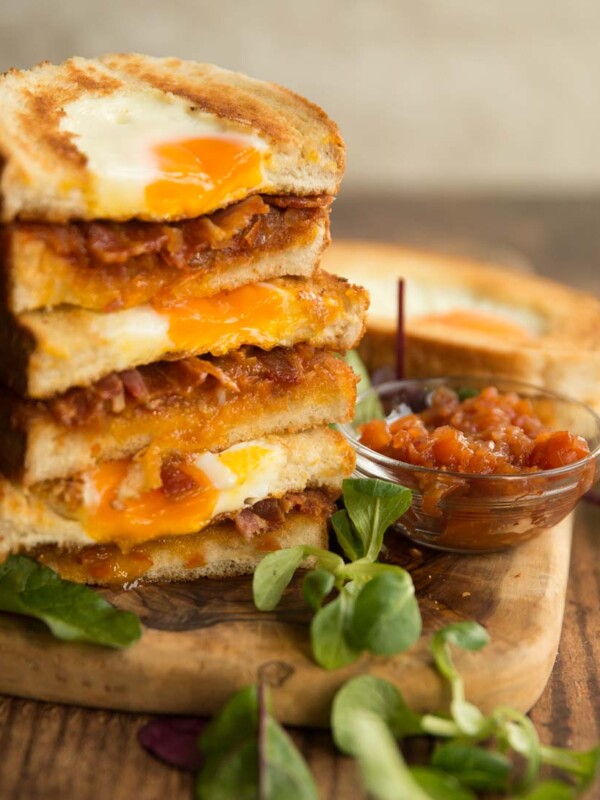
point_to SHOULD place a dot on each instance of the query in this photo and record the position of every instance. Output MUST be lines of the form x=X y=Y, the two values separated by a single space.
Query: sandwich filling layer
x=131 y=501
x=222 y=549
x=184 y=406
x=69 y=348
x=105 y=266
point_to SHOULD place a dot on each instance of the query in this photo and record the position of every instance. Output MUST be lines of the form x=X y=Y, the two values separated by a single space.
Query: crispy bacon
x=236 y=218
x=142 y=386
x=73 y=408
x=292 y=201
x=270 y=510
x=113 y=243
x=194 y=371
x=269 y=514
x=308 y=502
x=133 y=382
x=111 y=392
x=283 y=366
x=179 y=244
x=155 y=384
x=176 y=482
x=249 y=524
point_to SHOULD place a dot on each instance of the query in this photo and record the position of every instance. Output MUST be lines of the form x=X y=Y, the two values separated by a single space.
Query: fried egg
x=261 y=314
x=160 y=158
x=225 y=482
x=456 y=306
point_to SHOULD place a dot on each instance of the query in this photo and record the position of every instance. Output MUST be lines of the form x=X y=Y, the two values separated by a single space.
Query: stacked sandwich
x=168 y=345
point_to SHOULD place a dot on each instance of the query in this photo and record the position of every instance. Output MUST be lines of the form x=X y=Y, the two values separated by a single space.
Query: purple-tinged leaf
x=593 y=496
x=383 y=375
x=400 y=337
x=174 y=740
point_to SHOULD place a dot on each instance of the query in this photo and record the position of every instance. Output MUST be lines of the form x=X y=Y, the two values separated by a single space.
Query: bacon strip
x=310 y=201
x=176 y=482
x=179 y=244
x=154 y=384
x=269 y=514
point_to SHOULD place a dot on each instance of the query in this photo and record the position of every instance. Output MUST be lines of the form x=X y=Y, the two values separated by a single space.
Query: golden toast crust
x=45 y=176
x=564 y=355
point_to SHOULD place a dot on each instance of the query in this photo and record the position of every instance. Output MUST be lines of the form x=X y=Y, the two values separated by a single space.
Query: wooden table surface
x=54 y=752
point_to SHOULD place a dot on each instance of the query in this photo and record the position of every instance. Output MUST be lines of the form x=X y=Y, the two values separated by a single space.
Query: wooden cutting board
x=206 y=639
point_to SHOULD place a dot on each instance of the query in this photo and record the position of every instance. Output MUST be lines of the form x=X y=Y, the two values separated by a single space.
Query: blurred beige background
x=430 y=94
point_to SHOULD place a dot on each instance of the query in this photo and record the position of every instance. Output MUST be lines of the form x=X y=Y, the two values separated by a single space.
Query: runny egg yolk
x=201 y=173
x=478 y=322
x=259 y=313
x=222 y=484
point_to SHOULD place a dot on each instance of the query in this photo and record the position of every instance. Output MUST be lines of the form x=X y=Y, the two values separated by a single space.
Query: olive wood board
x=205 y=639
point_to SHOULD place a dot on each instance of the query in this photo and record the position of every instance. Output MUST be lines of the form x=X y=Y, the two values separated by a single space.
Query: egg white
x=117 y=134
x=233 y=493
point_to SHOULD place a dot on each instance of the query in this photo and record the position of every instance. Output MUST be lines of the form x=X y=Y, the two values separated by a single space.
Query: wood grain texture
x=204 y=640
x=51 y=752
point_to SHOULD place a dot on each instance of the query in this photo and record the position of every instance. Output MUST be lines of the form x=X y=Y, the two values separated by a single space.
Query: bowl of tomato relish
x=491 y=462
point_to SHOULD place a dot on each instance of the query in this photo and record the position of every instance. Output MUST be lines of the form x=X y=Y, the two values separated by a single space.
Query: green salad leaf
x=386 y=618
x=375 y=609
x=583 y=766
x=470 y=636
x=476 y=767
x=249 y=756
x=317 y=584
x=369 y=407
x=384 y=772
x=372 y=506
x=73 y=612
x=347 y=537
x=440 y=785
x=273 y=575
x=329 y=632
x=369 y=693
x=549 y=790
x=476 y=754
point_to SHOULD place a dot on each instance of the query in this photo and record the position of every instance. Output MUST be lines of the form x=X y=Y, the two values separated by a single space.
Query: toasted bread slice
x=174 y=407
x=219 y=551
x=108 y=266
x=128 y=503
x=131 y=136
x=465 y=317
x=42 y=353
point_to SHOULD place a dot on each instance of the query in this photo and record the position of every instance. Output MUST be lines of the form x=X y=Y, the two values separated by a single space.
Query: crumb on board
x=466 y=594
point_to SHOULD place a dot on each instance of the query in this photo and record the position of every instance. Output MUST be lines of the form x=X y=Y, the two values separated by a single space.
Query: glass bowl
x=462 y=512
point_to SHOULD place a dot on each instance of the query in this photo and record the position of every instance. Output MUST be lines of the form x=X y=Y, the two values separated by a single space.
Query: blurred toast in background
x=464 y=316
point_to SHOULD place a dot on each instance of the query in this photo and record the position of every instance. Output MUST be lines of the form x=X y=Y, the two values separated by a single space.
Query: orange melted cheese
x=478 y=322
x=223 y=482
x=260 y=314
x=201 y=174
